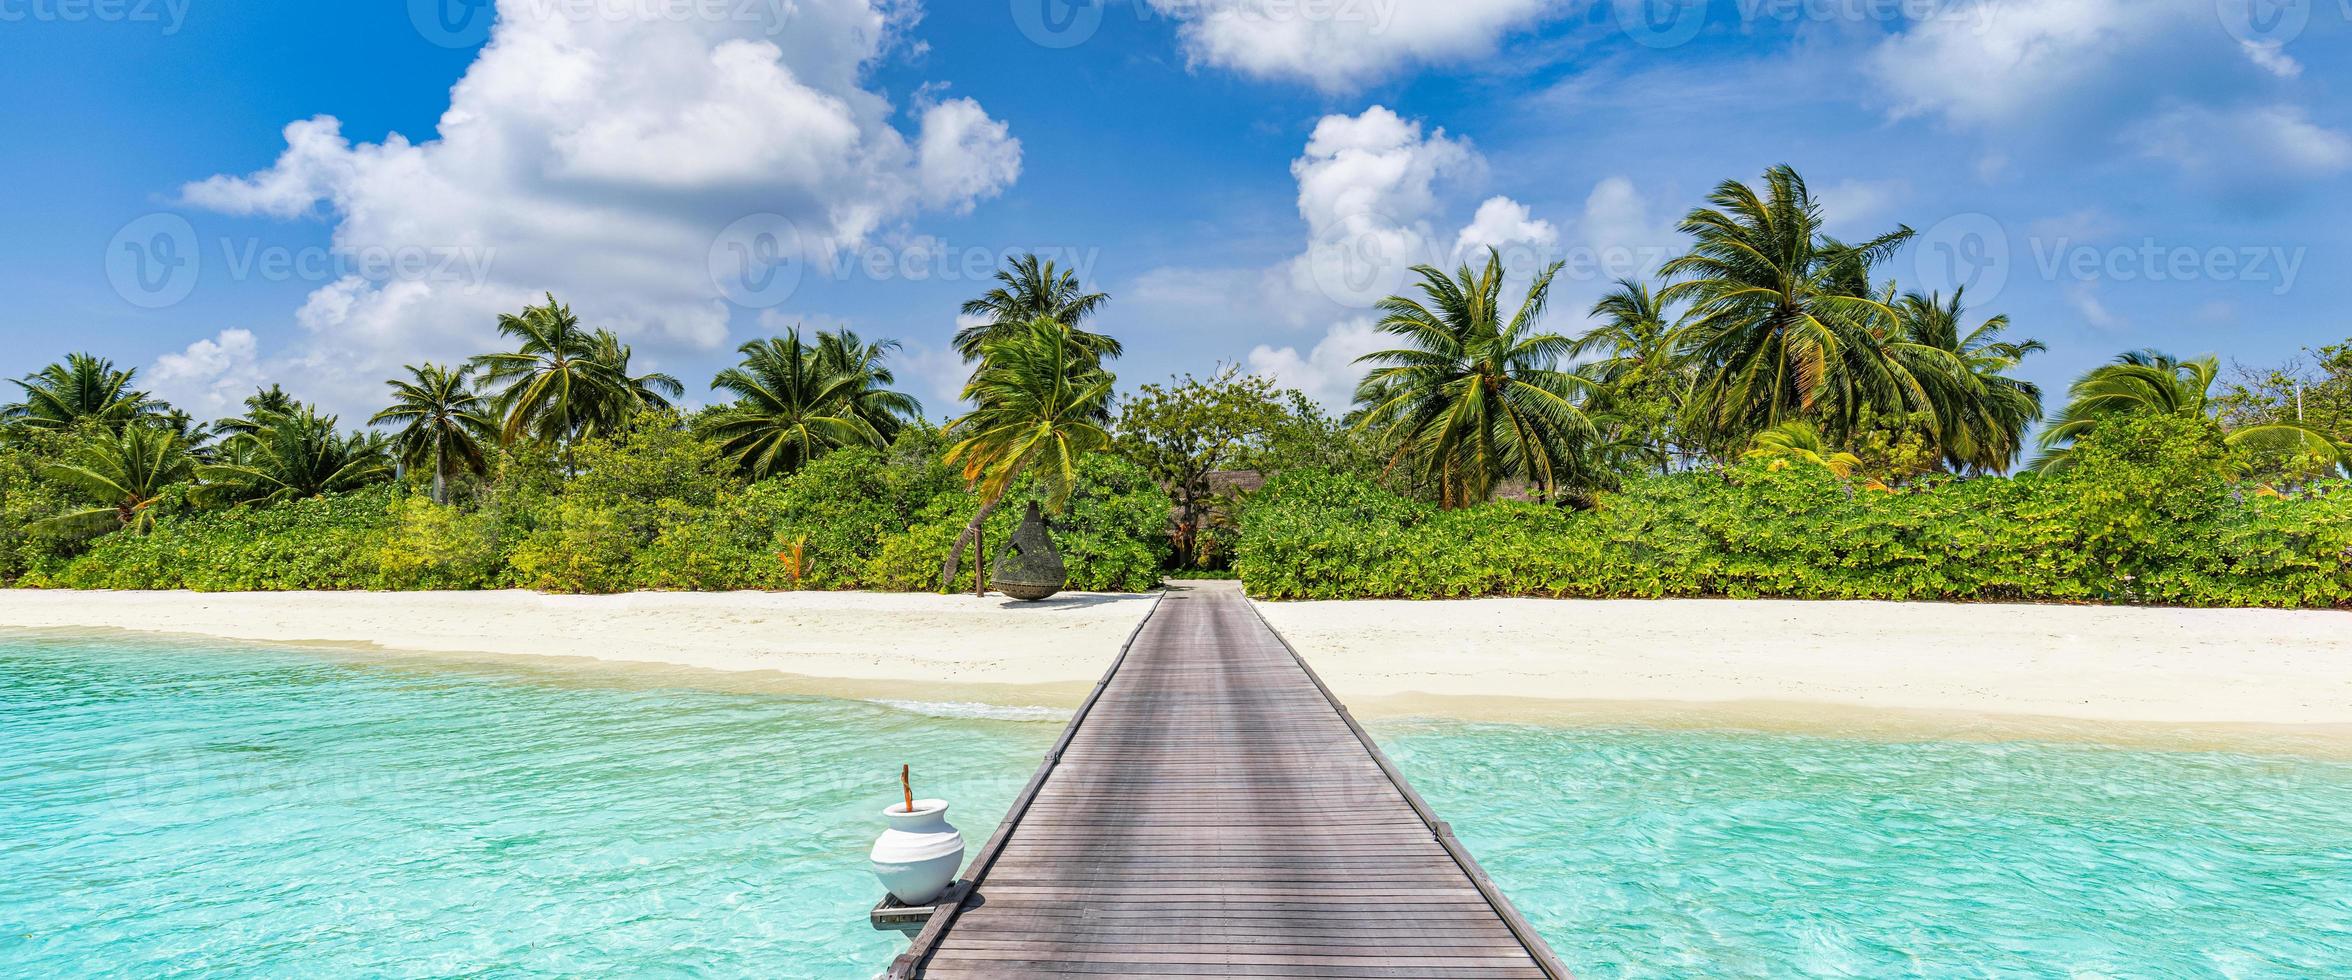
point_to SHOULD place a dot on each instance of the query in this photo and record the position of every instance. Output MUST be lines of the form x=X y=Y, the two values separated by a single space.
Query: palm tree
x=556 y=380
x=1471 y=399
x=300 y=455
x=443 y=423
x=1644 y=381
x=1041 y=402
x=263 y=409
x=2151 y=382
x=83 y=388
x=871 y=399
x=122 y=474
x=631 y=393
x=1781 y=318
x=791 y=407
x=1637 y=333
x=1980 y=412
x=1800 y=442
x=1030 y=289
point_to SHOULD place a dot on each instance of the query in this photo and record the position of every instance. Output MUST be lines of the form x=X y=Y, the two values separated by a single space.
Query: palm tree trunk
x=440 y=477
x=955 y=553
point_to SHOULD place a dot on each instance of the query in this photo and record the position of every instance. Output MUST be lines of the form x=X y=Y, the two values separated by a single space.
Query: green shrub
x=2144 y=520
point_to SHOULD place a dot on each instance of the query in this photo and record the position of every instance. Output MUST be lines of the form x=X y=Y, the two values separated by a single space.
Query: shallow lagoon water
x=183 y=809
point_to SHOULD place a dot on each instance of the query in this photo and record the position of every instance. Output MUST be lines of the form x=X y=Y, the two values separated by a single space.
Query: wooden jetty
x=1212 y=811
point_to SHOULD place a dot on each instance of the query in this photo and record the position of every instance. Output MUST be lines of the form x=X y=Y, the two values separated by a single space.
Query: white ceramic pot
x=918 y=857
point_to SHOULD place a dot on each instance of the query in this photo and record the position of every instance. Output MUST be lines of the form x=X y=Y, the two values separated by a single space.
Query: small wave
x=974 y=709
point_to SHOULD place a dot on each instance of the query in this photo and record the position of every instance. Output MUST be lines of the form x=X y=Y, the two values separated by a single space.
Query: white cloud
x=211 y=376
x=1994 y=61
x=1342 y=45
x=1502 y=223
x=2271 y=56
x=1328 y=373
x=2085 y=300
x=2247 y=146
x=600 y=157
x=1370 y=193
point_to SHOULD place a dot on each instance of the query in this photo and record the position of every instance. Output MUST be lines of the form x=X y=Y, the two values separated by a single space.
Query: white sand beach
x=1489 y=658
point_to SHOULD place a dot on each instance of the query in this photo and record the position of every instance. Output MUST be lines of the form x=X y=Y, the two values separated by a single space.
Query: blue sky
x=1241 y=175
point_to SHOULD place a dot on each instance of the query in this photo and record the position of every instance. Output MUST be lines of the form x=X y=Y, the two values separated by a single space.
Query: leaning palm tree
x=791 y=406
x=1031 y=288
x=443 y=423
x=2151 y=382
x=1980 y=413
x=1040 y=404
x=300 y=455
x=1472 y=399
x=82 y=389
x=629 y=394
x=555 y=382
x=121 y=475
x=1793 y=443
x=1781 y=318
x=871 y=398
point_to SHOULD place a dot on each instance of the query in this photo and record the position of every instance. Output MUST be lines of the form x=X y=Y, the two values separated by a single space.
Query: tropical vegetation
x=1769 y=416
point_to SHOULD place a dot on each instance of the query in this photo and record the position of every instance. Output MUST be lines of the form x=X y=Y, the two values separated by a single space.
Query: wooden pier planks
x=1212 y=811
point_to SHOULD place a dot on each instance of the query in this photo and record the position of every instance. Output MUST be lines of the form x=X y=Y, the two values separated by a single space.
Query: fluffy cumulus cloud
x=211 y=376
x=1994 y=61
x=1380 y=193
x=605 y=156
x=2168 y=77
x=1341 y=45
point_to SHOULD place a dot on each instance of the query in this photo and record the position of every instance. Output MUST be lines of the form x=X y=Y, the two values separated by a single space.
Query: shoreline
x=2189 y=680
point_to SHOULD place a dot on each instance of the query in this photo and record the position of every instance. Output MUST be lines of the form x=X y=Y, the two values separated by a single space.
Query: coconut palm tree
x=82 y=389
x=2151 y=382
x=263 y=409
x=791 y=406
x=1980 y=412
x=556 y=381
x=1644 y=379
x=1031 y=288
x=871 y=398
x=1041 y=402
x=1800 y=443
x=299 y=455
x=629 y=394
x=443 y=423
x=1781 y=321
x=1637 y=333
x=1472 y=399
x=122 y=474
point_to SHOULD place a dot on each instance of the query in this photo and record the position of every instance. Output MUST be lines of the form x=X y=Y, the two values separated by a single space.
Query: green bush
x=2145 y=517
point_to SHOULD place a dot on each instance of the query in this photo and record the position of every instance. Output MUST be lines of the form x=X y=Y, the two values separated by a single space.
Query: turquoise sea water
x=176 y=809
